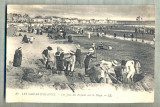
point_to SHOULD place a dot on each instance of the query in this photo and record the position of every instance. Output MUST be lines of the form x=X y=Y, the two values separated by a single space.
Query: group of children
x=63 y=62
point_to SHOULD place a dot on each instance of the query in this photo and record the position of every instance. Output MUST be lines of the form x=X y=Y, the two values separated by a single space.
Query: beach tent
x=11 y=30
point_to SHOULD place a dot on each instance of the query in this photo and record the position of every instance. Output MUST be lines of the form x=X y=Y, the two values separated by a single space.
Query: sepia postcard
x=80 y=53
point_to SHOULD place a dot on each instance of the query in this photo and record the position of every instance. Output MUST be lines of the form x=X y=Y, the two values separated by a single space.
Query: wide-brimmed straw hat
x=72 y=52
x=114 y=62
x=91 y=50
x=78 y=46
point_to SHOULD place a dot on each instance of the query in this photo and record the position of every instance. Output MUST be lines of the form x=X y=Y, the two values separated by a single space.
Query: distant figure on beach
x=50 y=58
x=89 y=35
x=93 y=46
x=136 y=30
x=153 y=40
x=115 y=35
x=25 y=39
x=17 y=57
x=100 y=45
x=64 y=35
x=97 y=34
x=82 y=31
x=20 y=34
x=132 y=36
x=70 y=39
x=40 y=32
x=124 y=36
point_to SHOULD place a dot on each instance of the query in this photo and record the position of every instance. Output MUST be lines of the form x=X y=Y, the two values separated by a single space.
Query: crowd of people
x=67 y=64
x=60 y=63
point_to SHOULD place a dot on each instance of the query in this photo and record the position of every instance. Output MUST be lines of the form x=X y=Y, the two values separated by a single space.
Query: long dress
x=17 y=58
x=59 y=61
x=78 y=56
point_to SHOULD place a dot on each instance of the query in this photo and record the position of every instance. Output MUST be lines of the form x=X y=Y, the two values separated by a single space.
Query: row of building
x=18 y=18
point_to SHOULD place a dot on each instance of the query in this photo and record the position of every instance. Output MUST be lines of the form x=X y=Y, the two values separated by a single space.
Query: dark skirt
x=17 y=60
x=59 y=65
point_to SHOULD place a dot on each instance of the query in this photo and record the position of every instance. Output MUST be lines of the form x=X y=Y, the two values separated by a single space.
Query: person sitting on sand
x=25 y=39
x=70 y=39
x=20 y=34
x=101 y=46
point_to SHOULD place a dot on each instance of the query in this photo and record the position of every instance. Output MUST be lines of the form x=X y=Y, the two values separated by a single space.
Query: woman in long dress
x=17 y=57
x=59 y=60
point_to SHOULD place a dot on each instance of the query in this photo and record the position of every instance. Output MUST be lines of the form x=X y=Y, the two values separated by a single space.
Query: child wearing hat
x=88 y=57
x=78 y=55
x=71 y=63
x=59 y=60
x=46 y=55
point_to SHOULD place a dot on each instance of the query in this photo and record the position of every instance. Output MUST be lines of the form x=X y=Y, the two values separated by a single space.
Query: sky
x=113 y=12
